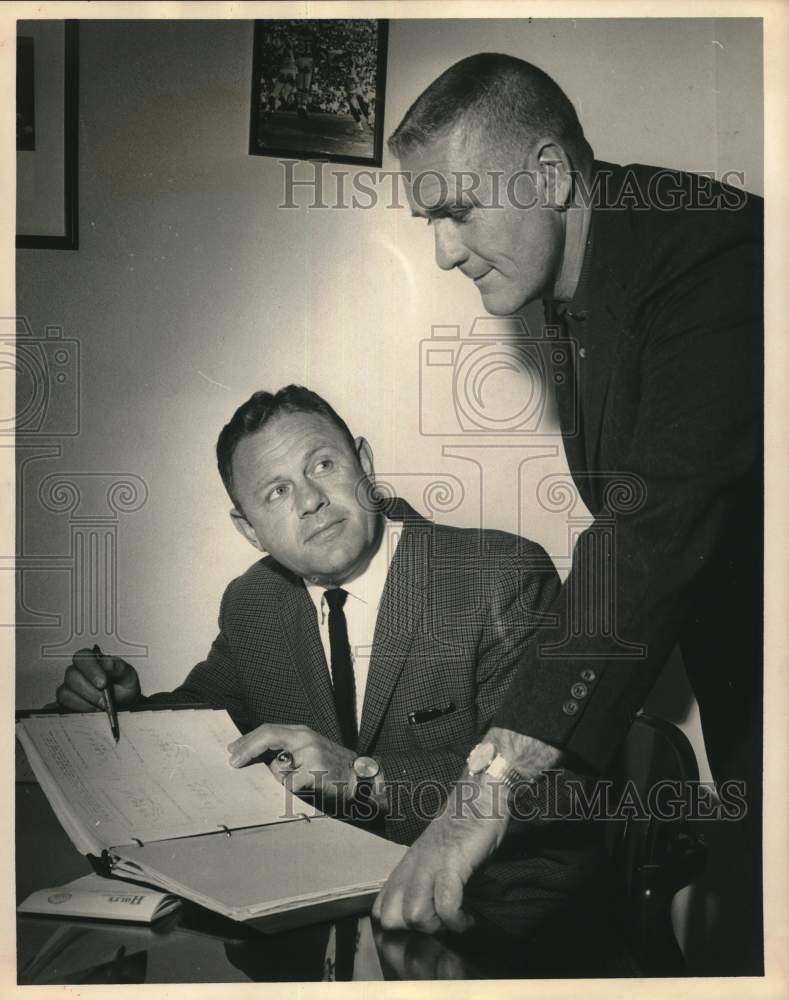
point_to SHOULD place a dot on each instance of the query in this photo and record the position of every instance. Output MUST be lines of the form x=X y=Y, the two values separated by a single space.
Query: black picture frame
x=69 y=238
x=25 y=94
x=288 y=53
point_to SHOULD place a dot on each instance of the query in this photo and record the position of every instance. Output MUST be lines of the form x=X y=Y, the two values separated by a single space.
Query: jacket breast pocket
x=454 y=727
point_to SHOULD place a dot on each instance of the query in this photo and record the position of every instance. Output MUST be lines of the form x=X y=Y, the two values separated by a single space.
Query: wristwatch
x=366 y=770
x=485 y=758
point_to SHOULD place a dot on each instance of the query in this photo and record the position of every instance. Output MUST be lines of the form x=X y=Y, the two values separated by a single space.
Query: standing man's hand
x=88 y=676
x=425 y=891
x=317 y=764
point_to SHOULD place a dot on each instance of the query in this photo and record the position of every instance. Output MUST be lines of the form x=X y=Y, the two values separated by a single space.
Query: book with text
x=97 y=898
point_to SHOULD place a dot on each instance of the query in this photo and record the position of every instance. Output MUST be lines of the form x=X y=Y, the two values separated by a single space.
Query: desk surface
x=196 y=946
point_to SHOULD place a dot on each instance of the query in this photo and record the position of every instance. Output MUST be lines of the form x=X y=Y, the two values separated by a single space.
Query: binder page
x=169 y=776
x=270 y=870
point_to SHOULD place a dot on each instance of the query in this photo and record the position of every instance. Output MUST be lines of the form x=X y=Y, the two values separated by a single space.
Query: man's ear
x=365 y=455
x=245 y=528
x=554 y=173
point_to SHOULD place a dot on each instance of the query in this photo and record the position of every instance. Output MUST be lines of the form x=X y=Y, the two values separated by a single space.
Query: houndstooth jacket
x=459 y=607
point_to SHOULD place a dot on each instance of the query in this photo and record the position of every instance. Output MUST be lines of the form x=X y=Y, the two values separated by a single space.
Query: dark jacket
x=661 y=413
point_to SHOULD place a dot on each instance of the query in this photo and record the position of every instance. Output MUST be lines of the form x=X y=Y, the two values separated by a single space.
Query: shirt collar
x=576 y=249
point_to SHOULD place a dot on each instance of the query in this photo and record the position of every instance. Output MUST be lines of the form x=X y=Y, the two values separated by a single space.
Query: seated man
x=368 y=643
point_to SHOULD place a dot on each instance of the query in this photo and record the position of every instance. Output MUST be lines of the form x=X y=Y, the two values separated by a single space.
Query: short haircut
x=259 y=409
x=500 y=96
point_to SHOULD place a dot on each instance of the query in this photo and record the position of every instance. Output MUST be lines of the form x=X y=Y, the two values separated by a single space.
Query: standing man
x=656 y=275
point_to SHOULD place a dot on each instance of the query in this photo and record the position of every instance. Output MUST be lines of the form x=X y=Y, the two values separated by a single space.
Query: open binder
x=165 y=808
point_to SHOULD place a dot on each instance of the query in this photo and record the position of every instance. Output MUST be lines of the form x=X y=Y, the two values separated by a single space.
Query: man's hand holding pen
x=90 y=674
x=109 y=703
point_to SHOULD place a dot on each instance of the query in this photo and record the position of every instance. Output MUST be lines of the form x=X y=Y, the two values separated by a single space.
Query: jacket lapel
x=303 y=640
x=399 y=617
x=597 y=320
x=566 y=382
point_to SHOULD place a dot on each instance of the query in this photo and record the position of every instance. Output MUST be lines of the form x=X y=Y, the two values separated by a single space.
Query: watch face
x=498 y=767
x=479 y=758
x=366 y=767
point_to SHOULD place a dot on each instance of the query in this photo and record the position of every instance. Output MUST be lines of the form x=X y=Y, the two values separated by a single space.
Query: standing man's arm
x=425 y=891
x=694 y=452
x=694 y=462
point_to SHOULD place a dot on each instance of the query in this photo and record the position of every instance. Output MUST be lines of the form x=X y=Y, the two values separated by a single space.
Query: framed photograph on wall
x=318 y=90
x=46 y=134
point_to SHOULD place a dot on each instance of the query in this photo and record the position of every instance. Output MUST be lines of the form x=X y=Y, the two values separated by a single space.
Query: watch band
x=486 y=759
x=500 y=770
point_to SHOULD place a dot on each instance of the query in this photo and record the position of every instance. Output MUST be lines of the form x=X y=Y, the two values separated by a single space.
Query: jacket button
x=570 y=707
x=579 y=690
x=588 y=675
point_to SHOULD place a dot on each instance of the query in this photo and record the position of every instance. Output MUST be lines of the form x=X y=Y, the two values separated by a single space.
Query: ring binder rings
x=154 y=807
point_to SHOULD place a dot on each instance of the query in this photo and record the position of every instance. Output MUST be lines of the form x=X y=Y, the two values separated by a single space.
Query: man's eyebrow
x=445 y=208
x=264 y=484
x=326 y=446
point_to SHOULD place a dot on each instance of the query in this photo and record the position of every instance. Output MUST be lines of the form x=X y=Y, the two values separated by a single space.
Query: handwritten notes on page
x=169 y=776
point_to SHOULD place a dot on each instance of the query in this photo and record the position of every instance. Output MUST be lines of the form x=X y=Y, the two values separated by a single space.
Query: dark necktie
x=342 y=668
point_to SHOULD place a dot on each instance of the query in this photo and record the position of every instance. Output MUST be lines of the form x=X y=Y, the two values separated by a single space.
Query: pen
x=109 y=704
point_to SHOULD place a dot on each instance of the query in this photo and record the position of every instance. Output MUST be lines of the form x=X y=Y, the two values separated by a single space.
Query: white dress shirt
x=361 y=610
